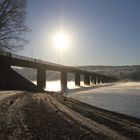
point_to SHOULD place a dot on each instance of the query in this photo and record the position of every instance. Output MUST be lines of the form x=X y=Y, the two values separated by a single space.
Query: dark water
x=123 y=98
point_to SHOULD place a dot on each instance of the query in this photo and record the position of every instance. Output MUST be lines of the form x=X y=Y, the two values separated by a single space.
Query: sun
x=61 y=40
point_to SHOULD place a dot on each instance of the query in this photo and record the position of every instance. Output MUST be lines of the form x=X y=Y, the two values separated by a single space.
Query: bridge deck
x=22 y=61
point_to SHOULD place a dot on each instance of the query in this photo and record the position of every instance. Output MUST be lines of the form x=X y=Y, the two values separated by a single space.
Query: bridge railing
x=9 y=54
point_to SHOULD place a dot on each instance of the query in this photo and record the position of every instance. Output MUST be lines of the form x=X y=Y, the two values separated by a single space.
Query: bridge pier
x=87 y=79
x=11 y=80
x=93 y=79
x=63 y=81
x=41 y=78
x=102 y=79
x=98 y=79
x=77 y=79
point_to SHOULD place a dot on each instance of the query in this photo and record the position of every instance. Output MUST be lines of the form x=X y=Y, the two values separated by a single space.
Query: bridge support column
x=41 y=78
x=87 y=79
x=63 y=81
x=77 y=79
x=93 y=79
x=98 y=77
x=101 y=79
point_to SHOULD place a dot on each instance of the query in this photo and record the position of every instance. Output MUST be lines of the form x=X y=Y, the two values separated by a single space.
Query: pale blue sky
x=102 y=32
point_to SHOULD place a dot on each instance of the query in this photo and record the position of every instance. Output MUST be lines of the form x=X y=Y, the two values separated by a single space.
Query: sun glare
x=61 y=40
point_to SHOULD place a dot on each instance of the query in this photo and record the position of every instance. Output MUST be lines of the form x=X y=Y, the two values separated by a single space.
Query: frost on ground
x=50 y=116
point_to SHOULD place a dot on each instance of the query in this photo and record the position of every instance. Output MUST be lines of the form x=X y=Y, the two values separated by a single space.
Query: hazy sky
x=102 y=32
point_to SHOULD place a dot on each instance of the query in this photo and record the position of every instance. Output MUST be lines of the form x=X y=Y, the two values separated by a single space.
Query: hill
x=125 y=73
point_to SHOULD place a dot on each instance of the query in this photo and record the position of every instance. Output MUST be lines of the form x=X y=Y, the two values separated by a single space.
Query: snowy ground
x=51 y=116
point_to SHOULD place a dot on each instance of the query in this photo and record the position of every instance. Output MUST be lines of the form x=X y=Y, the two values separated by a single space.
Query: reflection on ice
x=56 y=85
x=53 y=86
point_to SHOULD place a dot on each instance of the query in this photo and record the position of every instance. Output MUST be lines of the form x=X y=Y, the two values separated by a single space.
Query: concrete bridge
x=7 y=60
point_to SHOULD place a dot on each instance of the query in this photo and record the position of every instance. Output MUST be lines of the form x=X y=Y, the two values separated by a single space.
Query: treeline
x=123 y=73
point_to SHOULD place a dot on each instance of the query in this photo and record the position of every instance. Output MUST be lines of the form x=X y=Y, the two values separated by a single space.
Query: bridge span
x=8 y=59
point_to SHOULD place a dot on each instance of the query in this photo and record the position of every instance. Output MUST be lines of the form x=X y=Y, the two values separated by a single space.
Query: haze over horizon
x=101 y=32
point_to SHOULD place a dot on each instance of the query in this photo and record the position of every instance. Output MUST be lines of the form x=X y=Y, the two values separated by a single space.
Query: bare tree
x=12 y=27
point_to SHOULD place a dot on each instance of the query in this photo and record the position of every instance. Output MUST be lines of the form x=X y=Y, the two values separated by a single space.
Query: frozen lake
x=122 y=97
